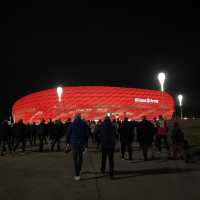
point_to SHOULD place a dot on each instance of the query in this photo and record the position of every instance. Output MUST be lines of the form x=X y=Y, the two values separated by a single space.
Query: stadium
x=94 y=103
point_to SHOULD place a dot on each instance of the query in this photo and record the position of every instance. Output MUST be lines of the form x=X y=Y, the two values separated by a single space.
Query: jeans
x=145 y=148
x=77 y=151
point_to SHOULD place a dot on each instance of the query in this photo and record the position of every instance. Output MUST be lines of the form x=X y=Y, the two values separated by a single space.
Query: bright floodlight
x=161 y=78
x=59 y=92
x=180 y=98
x=108 y=114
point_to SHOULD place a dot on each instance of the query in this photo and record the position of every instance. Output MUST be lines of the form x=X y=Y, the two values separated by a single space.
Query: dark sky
x=46 y=45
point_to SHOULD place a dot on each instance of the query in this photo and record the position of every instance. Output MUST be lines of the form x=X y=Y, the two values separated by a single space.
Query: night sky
x=47 y=45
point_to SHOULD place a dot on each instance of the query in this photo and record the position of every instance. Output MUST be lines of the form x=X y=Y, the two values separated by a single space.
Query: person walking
x=108 y=137
x=177 y=137
x=92 y=131
x=28 y=134
x=41 y=132
x=77 y=136
x=20 y=135
x=33 y=133
x=97 y=134
x=58 y=133
x=5 y=133
x=161 y=132
x=126 y=132
x=146 y=131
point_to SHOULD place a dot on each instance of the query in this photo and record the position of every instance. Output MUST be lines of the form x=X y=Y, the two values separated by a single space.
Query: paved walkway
x=50 y=176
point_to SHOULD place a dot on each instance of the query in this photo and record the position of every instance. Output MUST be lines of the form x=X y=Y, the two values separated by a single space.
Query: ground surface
x=50 y=176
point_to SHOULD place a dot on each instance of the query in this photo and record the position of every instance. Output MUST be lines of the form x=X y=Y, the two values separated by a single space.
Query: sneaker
x=77 y=178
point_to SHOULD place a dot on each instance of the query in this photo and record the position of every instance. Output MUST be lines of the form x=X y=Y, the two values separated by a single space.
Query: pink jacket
x=162 y=128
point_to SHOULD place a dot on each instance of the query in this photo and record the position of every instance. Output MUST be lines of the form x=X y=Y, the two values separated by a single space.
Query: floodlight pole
x=161 y=78
x=59 y=91
x=181 y=112
x=163 y=104
x=180 y=98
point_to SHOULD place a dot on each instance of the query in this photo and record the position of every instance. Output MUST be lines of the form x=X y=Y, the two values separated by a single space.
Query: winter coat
x=126 y=132
x=5 y=131
x=146 y=131
x=77 y=133
x=41 y=129
x=19 y=130
x=107 y=135
x=177 y=136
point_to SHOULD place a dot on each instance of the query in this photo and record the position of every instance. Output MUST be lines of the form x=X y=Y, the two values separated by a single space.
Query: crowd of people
x=108 y=136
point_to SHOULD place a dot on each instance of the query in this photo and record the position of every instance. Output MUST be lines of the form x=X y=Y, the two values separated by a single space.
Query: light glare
x=180 y=98
x=59 y=92
x=161 y=78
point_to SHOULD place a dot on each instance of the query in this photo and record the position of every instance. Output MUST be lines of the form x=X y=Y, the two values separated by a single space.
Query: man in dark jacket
x=178 y=142
x=28 y=134
x=20 y=135
x=97 y=134
x=58 y=133
x=41 y=132
x=146 y=131
x=66 y=126
x=5 y=133
x=33 y=133
x=108 y=137
x=77 y=140
x=126 y=132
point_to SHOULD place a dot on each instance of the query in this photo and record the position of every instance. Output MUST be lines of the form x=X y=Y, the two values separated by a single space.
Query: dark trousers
x=110 y=154
x=54 y=141
x=41 y=144
x=124 y=146
x=34 y=138
x=77 y=151
x=159 y=139
x=45 y=140
x=21 y=140
x=3 y=144
x=145 y=148
x=29 y=137
x=92 y=137
x=11 y=141
x=97 y=141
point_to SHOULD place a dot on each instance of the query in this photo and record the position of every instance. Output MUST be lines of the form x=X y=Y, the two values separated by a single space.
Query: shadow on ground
x=137 y=173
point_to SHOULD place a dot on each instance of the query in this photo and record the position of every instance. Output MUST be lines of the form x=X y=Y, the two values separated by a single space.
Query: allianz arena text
x=94 y=103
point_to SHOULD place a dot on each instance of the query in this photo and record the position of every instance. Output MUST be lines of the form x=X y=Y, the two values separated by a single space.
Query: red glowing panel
x=94 y=102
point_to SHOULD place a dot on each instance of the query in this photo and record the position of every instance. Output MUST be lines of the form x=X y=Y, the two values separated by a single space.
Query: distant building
x=94 y=102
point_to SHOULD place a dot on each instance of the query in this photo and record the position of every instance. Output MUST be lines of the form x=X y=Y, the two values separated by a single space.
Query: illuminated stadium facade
x=93 y=102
